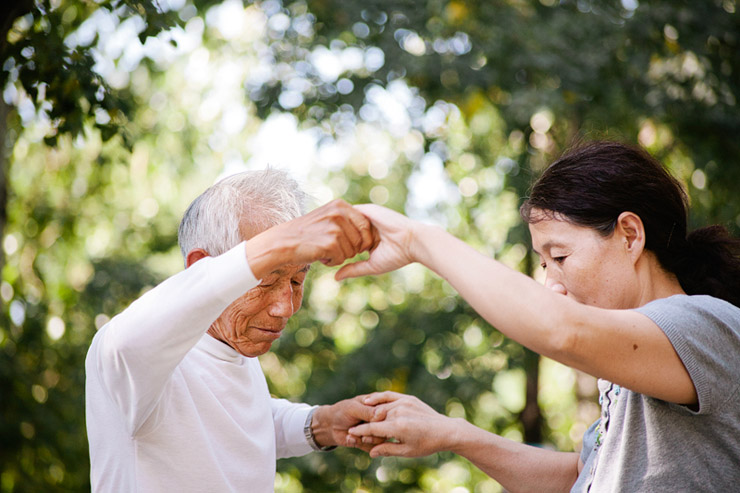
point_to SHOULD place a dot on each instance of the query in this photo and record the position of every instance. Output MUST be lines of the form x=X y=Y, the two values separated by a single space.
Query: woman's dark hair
x=593 y=184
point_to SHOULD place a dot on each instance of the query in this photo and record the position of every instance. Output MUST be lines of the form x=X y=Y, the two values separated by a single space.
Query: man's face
x=255 y=320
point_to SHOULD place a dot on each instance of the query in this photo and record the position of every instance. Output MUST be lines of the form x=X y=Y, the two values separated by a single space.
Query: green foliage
x=82 y=242
x=483 y=93
x=597 y=68
x=57 y=70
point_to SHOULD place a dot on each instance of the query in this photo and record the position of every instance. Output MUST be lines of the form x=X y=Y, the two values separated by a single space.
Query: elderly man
x=175 y=397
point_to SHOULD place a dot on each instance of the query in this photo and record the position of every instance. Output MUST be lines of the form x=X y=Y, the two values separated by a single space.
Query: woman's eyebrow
x=549 y=245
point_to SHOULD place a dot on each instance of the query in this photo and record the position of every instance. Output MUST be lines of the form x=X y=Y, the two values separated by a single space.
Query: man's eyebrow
x=279 y=273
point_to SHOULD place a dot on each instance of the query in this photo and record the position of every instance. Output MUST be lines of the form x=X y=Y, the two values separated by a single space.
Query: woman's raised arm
x=622 y=346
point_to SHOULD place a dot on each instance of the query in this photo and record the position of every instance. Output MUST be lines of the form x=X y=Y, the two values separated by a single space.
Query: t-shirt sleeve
x=705 y=332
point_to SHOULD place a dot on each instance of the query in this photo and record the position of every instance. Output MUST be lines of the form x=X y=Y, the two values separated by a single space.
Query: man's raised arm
x=134 y=355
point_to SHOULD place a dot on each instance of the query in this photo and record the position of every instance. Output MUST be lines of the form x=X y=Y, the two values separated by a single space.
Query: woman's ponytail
x=711 y=264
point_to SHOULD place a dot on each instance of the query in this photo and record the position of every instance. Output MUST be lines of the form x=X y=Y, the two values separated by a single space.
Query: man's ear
x=194 y=255
x=630 y=227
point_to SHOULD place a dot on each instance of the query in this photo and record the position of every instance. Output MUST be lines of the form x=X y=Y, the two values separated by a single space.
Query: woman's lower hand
x=402 y=425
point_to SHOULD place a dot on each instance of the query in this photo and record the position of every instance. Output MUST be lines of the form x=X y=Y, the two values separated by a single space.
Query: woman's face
x=584 y=265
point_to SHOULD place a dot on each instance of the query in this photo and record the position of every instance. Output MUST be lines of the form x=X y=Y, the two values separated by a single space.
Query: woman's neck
x=655 y=281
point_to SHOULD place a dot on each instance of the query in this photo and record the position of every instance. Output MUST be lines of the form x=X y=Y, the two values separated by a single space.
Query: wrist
x=420 y=239
x=457 y=438
x=318 y=430
x=263 y=255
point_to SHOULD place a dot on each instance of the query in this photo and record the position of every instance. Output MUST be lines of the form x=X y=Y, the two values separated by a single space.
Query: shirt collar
x=218 y=349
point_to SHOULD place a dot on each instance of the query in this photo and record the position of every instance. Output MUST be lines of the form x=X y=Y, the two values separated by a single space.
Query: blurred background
x=115 y=114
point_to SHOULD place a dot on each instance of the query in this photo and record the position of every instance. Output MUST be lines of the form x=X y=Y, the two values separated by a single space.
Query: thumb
x=356 y=269
x=364 y=412
x=381 y=412
x=385 y=449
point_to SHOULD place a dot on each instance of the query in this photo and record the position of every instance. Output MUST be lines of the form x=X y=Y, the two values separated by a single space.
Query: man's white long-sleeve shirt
x=169 y=408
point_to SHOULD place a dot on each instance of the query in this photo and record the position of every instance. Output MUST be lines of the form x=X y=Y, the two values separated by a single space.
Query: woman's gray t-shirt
x=645 y=444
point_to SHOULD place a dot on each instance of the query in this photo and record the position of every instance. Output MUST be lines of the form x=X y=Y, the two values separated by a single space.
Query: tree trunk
x=11 y=10
x=531 y=415
x=5 y=148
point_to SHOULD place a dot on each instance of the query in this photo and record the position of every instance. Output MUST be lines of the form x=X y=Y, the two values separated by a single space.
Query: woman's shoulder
x=695 y=301
x=694 y=308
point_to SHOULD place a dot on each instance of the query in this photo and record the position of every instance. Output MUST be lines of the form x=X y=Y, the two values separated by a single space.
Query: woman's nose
x=555 y=285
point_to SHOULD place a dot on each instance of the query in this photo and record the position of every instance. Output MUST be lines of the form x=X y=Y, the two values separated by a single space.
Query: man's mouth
x=270 y=332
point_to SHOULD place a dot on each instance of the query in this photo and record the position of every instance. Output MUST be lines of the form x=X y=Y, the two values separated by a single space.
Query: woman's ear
x=630 y=227
x=194 y=255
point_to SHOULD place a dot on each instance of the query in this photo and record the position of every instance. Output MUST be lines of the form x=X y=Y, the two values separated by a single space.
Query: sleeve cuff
x=233 y=272
x=308 y=433
x=290 y=421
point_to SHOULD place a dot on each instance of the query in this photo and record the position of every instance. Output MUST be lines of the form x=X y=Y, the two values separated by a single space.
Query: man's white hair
x=264 y=198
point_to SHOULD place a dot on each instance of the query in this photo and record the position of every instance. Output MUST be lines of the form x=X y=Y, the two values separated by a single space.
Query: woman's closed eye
x=557 y=260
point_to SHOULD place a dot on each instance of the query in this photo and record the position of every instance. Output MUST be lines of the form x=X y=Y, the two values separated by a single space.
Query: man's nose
x=281 y=304
x=555 y=285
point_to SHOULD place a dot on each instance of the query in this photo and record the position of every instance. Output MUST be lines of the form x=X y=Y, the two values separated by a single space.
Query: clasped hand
x=334 y=233
x=401 y=425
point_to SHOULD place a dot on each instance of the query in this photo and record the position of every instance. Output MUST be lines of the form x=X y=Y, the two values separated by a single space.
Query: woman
x=629 y=298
